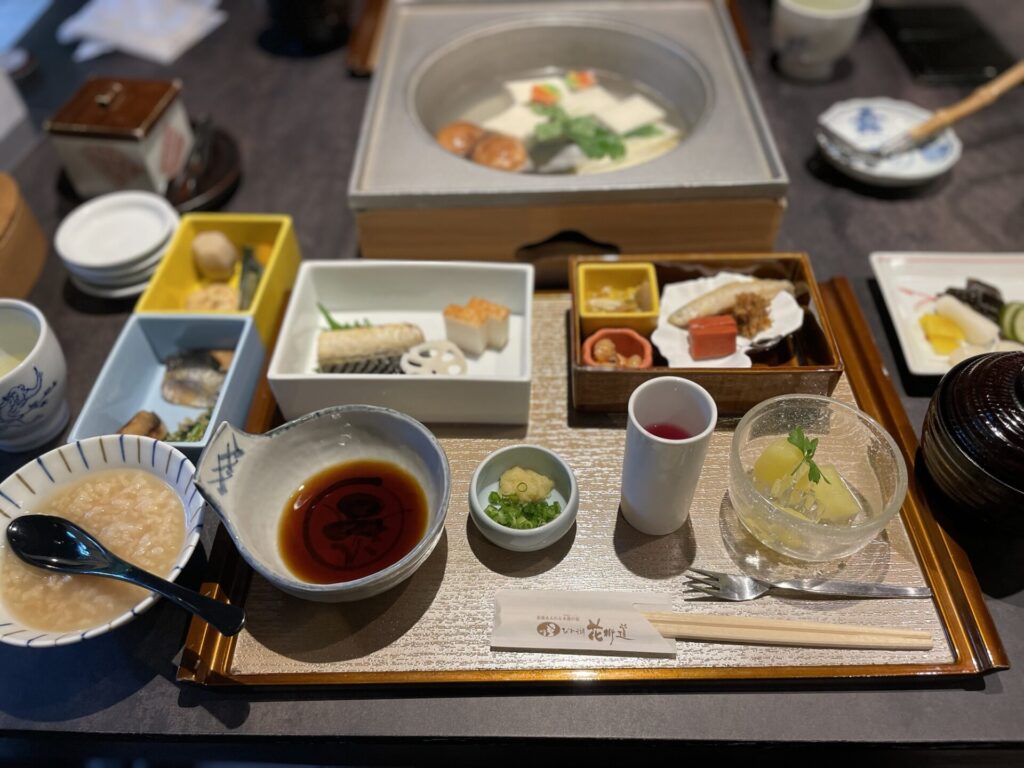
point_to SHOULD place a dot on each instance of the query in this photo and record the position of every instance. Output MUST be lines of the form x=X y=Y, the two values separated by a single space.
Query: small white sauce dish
x=249 y=479
x=541 y=460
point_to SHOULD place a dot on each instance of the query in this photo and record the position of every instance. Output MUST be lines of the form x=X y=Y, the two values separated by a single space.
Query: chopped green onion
x=513 y=513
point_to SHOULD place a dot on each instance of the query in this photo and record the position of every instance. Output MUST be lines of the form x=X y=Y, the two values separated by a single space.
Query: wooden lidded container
x=119 y=134
x=22 y=245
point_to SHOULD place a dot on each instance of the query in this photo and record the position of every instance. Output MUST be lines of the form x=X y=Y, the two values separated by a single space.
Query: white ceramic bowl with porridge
x=135 y=495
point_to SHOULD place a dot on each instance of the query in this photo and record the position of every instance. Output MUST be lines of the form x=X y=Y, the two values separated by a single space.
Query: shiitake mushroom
x=459 y=137
x=505 y=153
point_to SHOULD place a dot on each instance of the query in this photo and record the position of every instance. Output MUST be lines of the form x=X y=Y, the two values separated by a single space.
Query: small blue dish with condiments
x=133 y=375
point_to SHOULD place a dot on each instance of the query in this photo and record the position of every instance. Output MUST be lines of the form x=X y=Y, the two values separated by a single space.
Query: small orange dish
x=617 y=348
x=617 y=295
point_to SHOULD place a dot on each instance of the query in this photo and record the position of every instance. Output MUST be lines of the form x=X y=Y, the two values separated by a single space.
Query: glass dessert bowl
x=814 y=478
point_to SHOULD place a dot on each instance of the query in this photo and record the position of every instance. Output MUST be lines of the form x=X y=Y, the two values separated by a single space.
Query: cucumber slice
x=1008 y=316
x=1017 y=326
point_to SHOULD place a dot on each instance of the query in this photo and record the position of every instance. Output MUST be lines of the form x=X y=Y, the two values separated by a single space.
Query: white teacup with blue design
x=33 y=405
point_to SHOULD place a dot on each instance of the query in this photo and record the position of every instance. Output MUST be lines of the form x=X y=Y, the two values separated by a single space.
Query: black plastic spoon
x=58 y=545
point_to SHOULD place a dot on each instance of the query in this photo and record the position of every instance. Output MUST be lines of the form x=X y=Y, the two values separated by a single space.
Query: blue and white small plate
x=868 y=123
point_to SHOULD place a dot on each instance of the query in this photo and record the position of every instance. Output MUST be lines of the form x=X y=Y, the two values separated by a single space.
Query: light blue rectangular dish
x=131 y=377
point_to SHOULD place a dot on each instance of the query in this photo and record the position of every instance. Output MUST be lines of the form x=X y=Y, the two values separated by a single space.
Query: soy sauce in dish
x=351 y=520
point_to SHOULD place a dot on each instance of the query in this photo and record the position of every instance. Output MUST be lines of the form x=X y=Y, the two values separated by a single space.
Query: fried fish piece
x=721 y=300
x=145 y=423
x=192 y=378
x=373 y=349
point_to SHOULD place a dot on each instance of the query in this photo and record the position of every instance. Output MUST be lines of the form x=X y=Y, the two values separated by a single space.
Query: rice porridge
x=136 y=515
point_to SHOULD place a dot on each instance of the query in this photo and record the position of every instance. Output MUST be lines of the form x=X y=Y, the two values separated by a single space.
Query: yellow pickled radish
x=776 y=462
x=835 y=500
x=781 y=473
x=942 y=333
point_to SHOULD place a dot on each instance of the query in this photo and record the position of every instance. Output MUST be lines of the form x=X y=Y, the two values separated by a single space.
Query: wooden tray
x=810 y=363
x=435 y=627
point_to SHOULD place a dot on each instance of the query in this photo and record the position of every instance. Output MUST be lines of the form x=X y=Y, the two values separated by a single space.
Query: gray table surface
x=297 y=123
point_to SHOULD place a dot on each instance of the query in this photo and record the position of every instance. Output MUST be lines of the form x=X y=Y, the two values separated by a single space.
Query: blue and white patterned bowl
x=866 y=124
x=248 y=480
x=21 y=493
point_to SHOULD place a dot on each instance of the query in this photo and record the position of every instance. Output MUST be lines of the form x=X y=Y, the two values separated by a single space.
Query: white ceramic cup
x=33 y=406
x=810 y=36
x=660 y=475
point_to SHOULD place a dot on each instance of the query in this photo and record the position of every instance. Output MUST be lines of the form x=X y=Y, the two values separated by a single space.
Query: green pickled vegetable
x=252 y=271
x=190 y=430
x=512 y=513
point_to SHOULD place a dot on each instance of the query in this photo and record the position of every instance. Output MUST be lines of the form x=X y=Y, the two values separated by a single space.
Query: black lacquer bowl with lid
x=973 y=439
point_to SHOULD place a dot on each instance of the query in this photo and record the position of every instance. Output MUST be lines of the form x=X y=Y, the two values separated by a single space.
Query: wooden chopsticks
x=809 y=634
x=979 y=99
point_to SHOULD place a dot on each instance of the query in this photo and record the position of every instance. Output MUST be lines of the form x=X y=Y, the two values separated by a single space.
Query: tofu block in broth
x=631 y=113
x=594 y=100
x=519 y=122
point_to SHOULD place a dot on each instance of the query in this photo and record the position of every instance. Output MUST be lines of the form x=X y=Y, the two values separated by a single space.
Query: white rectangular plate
x=910 y=282
x=496 y=388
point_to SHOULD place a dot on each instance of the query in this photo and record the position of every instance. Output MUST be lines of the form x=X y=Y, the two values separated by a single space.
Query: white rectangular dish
x=910 y=283
x=496 y=387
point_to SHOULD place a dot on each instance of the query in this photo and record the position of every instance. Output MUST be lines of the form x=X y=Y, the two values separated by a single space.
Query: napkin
x=158 y=30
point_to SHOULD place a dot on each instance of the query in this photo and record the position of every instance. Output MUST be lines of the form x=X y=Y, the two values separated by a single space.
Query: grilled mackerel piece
x=376 y=349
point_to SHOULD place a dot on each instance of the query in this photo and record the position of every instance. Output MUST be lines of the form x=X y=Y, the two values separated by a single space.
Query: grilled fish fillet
x=723 y=298
x=376 y=349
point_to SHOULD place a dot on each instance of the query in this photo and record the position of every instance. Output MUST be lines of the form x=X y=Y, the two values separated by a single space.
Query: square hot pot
x=722 y=188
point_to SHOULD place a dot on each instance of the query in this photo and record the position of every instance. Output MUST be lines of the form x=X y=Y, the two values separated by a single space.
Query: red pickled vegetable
x=713 y=336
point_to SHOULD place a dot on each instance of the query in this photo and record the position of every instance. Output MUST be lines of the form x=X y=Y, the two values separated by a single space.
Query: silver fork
x=737 y=588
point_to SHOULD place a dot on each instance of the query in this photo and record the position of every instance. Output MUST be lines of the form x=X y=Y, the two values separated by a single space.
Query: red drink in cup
x=667 y=436
x=667 y=431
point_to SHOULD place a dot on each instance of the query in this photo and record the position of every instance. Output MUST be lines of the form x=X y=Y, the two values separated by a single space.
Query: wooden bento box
x=807 y=362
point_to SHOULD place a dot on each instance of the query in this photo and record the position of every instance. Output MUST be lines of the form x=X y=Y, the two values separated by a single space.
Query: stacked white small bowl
x=112 y=245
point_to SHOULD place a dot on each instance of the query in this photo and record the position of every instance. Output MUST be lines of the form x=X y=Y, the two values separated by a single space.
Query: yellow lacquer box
x=608 y=282
x=272 y=238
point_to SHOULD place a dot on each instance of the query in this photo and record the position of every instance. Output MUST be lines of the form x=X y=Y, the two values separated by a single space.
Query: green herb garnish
x=807 y=447
x=588 y=134
x=643 y=132
x=513 y=513
x=190 y=430
x=334 y=325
